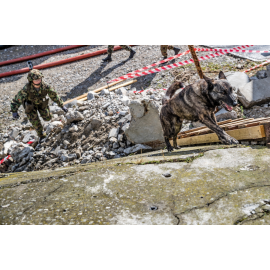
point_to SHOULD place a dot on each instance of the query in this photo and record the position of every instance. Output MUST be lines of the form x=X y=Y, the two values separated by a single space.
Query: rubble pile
x=91 y=131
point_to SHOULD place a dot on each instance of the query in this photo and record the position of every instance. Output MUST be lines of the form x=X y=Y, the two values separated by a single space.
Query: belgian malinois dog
x=196 y=102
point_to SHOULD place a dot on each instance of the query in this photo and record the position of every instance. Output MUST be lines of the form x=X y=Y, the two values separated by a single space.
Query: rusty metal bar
x=196 y=61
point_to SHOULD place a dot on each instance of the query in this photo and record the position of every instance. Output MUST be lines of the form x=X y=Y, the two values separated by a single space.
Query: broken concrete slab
x=237 y=79
x=256 y=92
x=220 y=187
x=145 y=126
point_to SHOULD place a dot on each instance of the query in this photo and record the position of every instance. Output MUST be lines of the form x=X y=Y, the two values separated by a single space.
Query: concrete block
x=238 y=79
x=145 y=126
x=255 y=93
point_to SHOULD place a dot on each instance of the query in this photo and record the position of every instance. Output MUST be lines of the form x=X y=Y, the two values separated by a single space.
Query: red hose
x=57 y=63
x=39 y=55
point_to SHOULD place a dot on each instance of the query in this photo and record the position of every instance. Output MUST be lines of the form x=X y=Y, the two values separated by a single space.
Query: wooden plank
x=198 y=128
x=267 y=132
x=114 y=88
x=251 y=133
x=95 y=91
x=207 y=130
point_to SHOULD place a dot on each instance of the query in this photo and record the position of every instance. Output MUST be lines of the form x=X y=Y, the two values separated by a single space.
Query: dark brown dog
x=196 y=102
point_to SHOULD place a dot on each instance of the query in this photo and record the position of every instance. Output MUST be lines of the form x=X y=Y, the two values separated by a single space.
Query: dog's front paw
x=229 y=140
x=234 y=141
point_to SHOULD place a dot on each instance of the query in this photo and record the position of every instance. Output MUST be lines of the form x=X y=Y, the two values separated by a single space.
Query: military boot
x=132 y=53
x=42 y=137
x=108 y=58
x=176 y=50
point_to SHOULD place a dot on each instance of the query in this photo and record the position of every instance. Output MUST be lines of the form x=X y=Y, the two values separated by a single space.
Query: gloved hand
x=65 y=109
x=15 y=115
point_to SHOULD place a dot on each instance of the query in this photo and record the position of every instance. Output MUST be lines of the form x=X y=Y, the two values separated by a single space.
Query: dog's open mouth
x=225 y=106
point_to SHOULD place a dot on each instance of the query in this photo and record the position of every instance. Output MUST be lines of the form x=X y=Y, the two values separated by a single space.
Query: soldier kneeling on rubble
x=34 y=99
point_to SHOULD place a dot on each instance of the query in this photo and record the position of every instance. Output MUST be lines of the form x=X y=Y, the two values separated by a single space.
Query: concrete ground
x=208 y=185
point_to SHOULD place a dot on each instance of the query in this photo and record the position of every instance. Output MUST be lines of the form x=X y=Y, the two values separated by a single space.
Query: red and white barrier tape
x=229 y=50
x=139 y=74
x=262 y=64
x=4 y=159
x=160 y=62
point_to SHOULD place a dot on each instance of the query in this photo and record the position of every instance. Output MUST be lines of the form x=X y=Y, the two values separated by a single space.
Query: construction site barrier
x=57 y=63
x=33 y=56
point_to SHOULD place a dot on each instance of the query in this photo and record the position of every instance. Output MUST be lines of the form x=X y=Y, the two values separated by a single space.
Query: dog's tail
x=171 y=91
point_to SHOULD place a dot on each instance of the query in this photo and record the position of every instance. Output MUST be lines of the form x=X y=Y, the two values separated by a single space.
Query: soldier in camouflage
x=110 y=50
x=34 y=100
x=164 y=49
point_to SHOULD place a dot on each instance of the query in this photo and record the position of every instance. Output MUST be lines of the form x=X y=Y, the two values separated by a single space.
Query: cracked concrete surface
x=224 y=186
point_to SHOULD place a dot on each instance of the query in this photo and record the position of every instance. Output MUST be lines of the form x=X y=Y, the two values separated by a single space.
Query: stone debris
x=91 y=131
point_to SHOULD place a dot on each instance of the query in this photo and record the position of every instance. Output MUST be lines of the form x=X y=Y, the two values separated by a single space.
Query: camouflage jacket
x=29 y=93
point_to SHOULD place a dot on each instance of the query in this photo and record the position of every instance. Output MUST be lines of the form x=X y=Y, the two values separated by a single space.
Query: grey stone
x=105 y=92
x=73 y=129
x=74 y=116
x=261 y=74
x=114 y=132
x=145 y=126
x=14 y=132
x=125 y=100
x=237 y=79
x=225 y=115
x=53 y=126
x=253 y=78
x=7 y=145
x=95 y=124
x=28 y=137
x=106 y=105
x=123 y=113
x=115 y=145
x=72 y=104
x=65 y=142
x=136 y=148
x=125 y=127
x=56 y=110
x=255 y=93
x=69 y=157
x=121 y=91
x=91 y=95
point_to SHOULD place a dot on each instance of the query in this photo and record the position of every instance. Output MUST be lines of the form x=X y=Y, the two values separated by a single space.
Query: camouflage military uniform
x=125 y=47
x=37 y=97
x=164 y=49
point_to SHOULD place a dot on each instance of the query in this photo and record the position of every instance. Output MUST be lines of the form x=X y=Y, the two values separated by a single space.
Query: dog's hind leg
x=167 y=127
x=177 y=127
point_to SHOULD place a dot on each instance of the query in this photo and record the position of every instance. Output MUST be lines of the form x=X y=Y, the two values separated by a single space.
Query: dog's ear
x=222 y=76
x=209 y=82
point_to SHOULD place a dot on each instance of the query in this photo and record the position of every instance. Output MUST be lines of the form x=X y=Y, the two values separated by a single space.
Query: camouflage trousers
x=164 y=49
x=35 y=121
x=125 y=47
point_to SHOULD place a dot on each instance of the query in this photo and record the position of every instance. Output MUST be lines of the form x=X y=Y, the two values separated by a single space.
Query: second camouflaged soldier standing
x=164 y=48
x=34 y=100
x=110 y=50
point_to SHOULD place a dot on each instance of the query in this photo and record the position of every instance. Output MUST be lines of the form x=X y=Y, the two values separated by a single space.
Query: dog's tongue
x=229 y=108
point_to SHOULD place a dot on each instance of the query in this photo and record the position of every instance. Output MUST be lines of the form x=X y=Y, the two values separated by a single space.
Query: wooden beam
x=207 y=130
x=114 y=88
x=95 y=91
x=249 y=133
